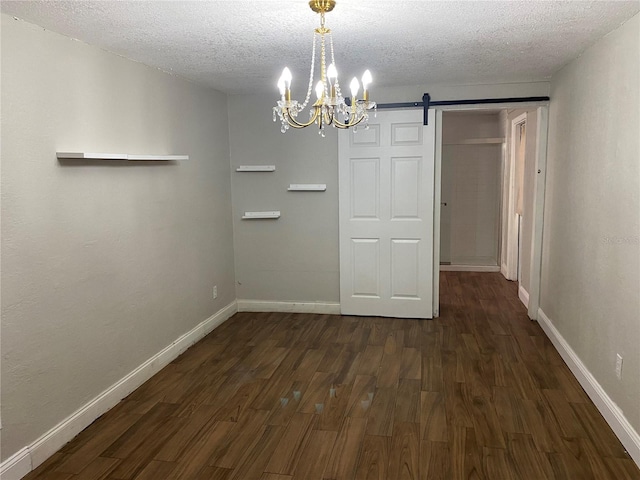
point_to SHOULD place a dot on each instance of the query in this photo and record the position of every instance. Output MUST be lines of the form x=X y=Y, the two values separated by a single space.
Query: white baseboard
x=289 y=307
x=16 y=466
x=523 y=295
x=469 y=268
x=612 y=414
x=30 y=457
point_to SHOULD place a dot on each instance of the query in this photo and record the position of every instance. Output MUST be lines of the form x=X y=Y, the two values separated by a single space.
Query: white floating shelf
x=307 y=187
x=256 y=168
x=117 y=156
x=260 y=215
x=477 y=141
x=92 y=156
x=157 y=157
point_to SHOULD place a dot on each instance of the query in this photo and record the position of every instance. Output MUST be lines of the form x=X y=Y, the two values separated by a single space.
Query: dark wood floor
x=479 y=393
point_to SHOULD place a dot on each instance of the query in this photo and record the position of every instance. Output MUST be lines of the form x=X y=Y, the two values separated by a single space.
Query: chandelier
x=330 y=107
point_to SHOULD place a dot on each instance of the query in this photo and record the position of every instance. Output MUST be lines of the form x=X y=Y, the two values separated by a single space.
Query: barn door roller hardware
x=427 y=103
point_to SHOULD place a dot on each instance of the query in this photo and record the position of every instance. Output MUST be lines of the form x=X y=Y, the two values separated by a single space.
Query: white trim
x=16 y=466
x=539 y=188
x=500 y=232
x=35 y=454
x=523 y=295
x=288 y=307
x=519 y=250
x=437 y=205
x=610 y=411
x=469 y=268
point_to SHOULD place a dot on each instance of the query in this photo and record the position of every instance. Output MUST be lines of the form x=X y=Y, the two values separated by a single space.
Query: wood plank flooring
x=479 y=393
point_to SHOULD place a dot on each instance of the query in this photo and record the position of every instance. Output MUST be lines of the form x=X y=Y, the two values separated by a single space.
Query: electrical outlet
x=215 y=291
x=619 y=366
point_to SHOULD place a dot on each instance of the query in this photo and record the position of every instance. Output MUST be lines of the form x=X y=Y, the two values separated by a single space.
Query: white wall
x=459 y=127
x=103 y=264
x=296 y=258
x=591 y=255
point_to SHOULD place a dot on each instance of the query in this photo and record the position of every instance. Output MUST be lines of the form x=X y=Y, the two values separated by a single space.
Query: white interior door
x=512 y=220
x=386 y=216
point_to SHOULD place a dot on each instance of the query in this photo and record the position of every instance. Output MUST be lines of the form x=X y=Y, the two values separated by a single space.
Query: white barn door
x=386 y=216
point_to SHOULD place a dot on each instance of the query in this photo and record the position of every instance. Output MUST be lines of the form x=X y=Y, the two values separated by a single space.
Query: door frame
x=437 y=199
x=542 y=127
x=511 y=221
x=539 y=189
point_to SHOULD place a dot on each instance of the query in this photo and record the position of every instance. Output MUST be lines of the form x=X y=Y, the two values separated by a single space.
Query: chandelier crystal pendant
x=330 y=107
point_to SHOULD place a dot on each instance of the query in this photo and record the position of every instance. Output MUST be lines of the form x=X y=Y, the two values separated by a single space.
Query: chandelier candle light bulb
x=366 y=80
x=319 y=90
x=332 y=76
x=285 y=80
x=355 y=86
x=330 y=107
x=281 y=87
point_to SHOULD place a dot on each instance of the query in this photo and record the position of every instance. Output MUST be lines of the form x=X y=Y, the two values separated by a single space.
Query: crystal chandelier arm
x=357 y=115
x=295 y=124
x=352 y=121
x=329 y=117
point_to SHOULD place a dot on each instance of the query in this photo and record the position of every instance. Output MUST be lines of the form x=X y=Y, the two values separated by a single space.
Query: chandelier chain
x=311 y=71
x=333 y=60
x=323 y=64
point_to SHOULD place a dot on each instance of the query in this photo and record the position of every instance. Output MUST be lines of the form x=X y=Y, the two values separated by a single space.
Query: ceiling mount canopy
x=330 y=107
x=322 y=6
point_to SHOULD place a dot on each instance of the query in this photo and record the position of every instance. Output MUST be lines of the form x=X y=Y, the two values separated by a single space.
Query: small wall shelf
x=117 y=156
x=91 y=156
x=307 y=187
x=157 y=157
x=261 y=215
x=476 y=141
x=256 y=168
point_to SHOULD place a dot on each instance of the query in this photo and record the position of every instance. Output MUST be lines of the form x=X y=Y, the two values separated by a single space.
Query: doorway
x=521 y=141
x=520 y=195
x=471 y=186
x=376 y=279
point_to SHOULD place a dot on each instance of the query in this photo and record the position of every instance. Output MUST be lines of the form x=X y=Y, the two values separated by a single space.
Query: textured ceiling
x=241 y=46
